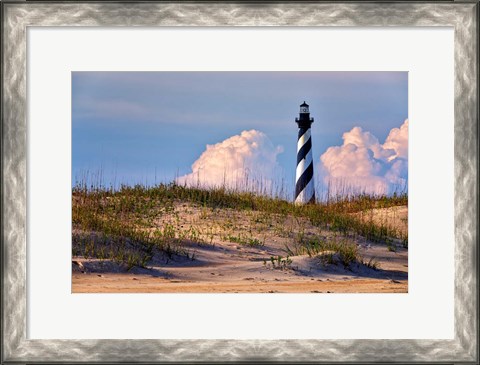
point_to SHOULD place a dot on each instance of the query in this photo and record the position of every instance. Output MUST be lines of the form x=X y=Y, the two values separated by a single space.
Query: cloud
x=362 y=164
x=397 y=140
x=247 y=161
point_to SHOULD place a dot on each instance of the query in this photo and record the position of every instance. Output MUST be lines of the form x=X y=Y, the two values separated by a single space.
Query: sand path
x=126 y=283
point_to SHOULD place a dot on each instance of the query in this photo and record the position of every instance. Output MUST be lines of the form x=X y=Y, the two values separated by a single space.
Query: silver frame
x=18 y=15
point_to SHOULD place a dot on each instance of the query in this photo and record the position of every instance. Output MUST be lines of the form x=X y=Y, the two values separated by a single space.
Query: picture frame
x=17 y=16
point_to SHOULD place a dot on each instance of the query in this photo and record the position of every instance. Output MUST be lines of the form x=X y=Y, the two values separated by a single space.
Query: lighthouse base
x=301 y=202
x=306 y=196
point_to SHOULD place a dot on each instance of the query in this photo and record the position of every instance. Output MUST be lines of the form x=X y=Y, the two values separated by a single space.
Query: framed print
x=186 y=238
x=238 y=181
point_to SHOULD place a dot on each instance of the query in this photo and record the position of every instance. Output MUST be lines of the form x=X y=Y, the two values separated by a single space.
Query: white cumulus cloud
x=397 y=140
x=247 y=161
x=363 y=165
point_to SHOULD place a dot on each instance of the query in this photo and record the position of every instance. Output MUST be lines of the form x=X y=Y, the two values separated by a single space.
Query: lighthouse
x=304 y=185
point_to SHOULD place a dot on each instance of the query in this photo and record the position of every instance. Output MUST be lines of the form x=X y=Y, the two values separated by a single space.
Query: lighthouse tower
x=304 y=185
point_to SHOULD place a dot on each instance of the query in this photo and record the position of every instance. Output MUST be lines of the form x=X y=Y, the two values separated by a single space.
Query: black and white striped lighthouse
x=304 y=184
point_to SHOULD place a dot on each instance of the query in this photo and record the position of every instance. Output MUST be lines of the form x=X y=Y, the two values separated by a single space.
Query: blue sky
x=139 y=127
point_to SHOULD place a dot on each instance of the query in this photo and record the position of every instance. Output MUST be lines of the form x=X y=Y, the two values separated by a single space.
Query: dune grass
x=123 y=224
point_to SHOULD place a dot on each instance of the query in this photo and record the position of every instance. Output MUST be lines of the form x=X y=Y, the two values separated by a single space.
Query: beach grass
x=133 y=223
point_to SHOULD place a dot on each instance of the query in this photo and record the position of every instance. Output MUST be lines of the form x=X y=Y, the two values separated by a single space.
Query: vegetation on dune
x=342 y=250
x=132 y=224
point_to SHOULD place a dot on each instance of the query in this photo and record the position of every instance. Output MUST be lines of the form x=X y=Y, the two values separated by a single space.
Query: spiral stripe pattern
x=304 y=184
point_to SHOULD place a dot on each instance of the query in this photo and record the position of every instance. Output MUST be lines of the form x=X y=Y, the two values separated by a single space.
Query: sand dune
x=223 y=266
